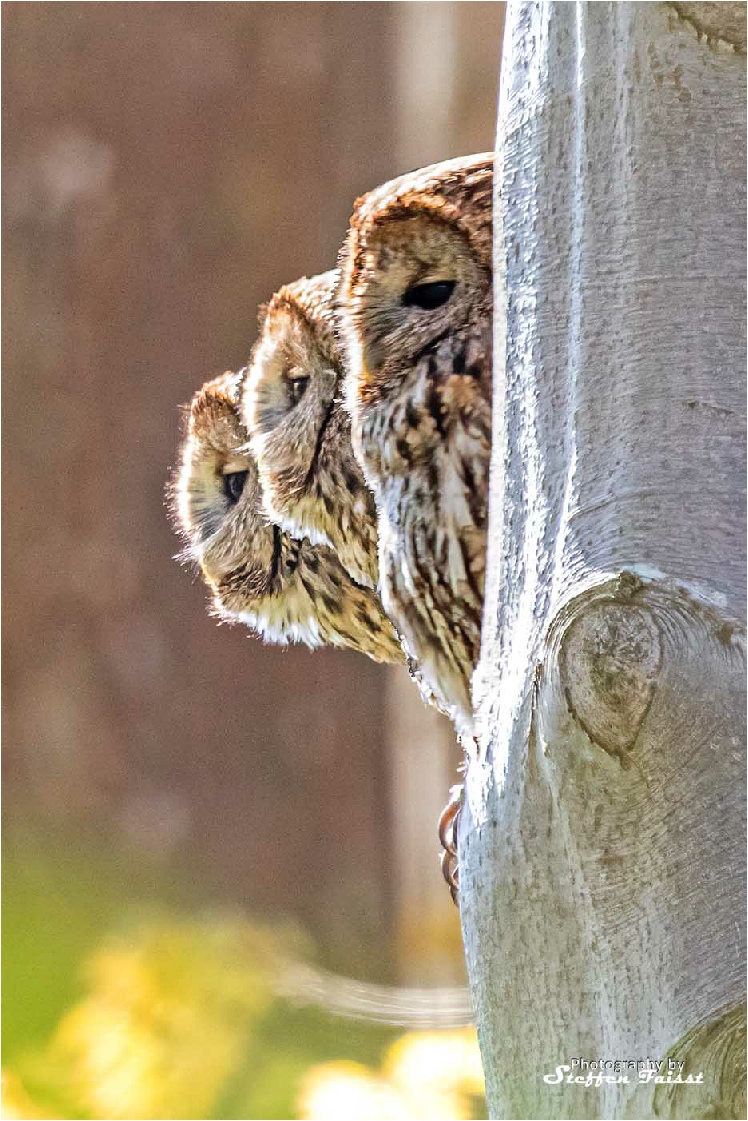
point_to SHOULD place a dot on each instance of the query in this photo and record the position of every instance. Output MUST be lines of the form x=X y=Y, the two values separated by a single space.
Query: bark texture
x=602 y=848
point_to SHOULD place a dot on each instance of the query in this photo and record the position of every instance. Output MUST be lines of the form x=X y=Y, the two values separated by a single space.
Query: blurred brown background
x=166 y=167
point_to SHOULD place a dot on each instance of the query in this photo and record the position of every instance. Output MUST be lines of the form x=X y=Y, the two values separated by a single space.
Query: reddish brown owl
x=415 y=316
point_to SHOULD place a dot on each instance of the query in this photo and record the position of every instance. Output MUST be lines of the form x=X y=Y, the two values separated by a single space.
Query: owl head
x=292 y=405
x=284 y=588
x=414 y=301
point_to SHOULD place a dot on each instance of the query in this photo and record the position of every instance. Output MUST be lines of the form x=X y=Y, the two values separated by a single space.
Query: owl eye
x=297 y=387
x=430 y=296
x=233 y=485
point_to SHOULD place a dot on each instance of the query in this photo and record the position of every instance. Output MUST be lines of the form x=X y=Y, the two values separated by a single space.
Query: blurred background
x=186 y=811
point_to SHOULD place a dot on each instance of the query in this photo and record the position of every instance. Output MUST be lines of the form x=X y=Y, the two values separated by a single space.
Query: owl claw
x=451 y=873
x=448 y=823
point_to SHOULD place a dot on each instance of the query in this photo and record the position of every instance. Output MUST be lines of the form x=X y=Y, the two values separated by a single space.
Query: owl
x=284 y=588
x=414 y=308
x=301 y=433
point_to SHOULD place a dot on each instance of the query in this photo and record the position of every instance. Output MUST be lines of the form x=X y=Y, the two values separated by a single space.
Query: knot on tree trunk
x=610 y=659
x=717 y=1049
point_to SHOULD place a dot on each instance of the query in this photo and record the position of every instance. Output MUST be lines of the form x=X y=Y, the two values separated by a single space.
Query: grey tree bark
x=602 y=846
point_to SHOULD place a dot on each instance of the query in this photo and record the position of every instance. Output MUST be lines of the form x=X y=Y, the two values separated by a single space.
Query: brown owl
x=286 y=589
x=415 y=315
x=301 y=432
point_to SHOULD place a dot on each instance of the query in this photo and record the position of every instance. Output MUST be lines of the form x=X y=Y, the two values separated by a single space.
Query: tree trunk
x=602 y=847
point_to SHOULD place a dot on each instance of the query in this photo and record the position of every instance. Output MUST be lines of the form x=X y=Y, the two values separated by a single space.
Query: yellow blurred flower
x=168 y=1019
x=425 y=1076
x=448 y=1061
x=348 y=1091
x=17 y=1104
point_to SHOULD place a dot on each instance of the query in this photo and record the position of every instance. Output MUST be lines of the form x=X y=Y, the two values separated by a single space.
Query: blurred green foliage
x=124 y=1000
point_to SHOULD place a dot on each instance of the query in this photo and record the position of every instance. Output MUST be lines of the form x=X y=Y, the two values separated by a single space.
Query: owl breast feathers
x=283 y=587
x=414 y=309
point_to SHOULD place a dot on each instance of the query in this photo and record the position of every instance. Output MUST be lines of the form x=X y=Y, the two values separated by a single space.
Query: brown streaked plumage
x=415 y=317
x=286 y=589
x=301 y=432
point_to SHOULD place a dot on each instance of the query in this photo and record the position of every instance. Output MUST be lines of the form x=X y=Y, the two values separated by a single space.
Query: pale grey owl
x=286 y=589
x=301 y=433
x=415 y=314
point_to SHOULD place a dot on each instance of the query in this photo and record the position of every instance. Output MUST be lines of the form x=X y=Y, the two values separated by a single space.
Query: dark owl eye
x=428 y=297
x=233 y=485
x=297 y=388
